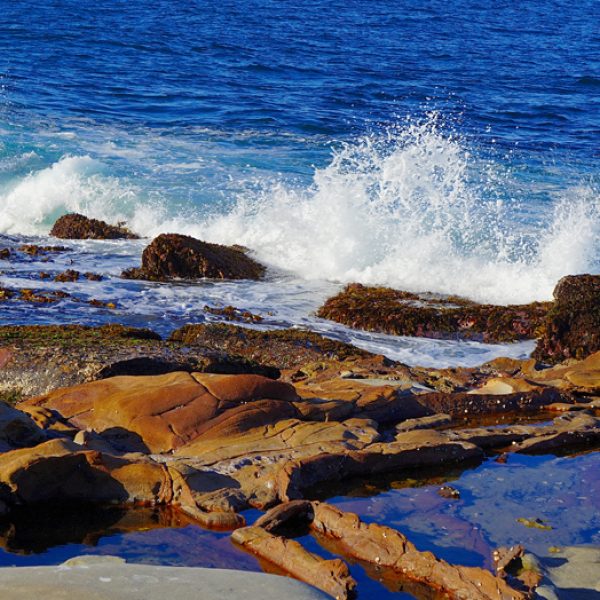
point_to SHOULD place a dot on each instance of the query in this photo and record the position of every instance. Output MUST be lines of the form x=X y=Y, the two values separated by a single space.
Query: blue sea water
x=445 y=146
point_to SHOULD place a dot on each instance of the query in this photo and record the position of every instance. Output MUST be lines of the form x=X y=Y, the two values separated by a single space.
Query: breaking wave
x=414 y=208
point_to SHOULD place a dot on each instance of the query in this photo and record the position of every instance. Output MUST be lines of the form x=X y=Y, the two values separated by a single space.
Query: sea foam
x=414 y=208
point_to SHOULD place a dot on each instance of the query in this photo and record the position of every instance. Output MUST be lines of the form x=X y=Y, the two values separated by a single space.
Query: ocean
x=449 y=147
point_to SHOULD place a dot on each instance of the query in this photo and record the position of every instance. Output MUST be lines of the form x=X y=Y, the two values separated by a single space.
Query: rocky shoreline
x=217 y=419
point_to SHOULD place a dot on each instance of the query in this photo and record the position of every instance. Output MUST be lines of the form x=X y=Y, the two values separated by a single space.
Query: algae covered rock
x=426 y=315
x=173 y=256
x=572 y=326
x=78 y=227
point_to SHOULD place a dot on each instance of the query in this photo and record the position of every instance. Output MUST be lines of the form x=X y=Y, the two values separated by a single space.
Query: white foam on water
x=407 y=212
x=73 y=184
x=414 y=208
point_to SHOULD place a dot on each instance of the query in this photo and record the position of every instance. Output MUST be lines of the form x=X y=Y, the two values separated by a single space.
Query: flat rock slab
x=108 y=578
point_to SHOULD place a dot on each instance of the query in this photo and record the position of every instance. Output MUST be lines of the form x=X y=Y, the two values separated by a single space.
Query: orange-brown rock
x=289 y=556
x=412 y=449
x=164 y=412
x=174 y=256
x=387 y=548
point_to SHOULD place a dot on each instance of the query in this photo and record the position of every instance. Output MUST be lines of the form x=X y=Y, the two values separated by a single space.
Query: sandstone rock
x=409 y=450
x=17 y=429
x=165 y=412
x=572 y=326
x=174 y=256
x=77 y=227
x=424 y=315
x=331 y=576
x=387 y=548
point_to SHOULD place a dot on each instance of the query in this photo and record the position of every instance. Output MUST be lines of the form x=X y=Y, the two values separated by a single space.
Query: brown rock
x=17 y=429
x=330 y=576
x=389 y=549
x=173 y=256
x=69 y=275
x=164 y=412
x=77 y=227
x=572 y=326
x=425 y=315
x=412 y=449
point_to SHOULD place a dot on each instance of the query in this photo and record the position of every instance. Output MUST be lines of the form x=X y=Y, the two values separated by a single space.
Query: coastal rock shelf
x=211 y=445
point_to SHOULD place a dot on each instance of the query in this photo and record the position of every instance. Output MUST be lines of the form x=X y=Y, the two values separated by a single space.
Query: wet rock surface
x=211 y=445
x=572 y=326
x=175 y=256
x=425 y=315
x=78 y=227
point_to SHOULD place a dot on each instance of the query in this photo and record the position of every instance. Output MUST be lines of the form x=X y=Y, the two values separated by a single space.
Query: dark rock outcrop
x=424 y=315
x=174 y=256
x=78 y=227
x=572 y=326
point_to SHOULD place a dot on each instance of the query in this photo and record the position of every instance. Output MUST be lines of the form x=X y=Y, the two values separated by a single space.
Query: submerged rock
x=174 y=256
x=78 y=227
x=572 y=326
x=424 y=315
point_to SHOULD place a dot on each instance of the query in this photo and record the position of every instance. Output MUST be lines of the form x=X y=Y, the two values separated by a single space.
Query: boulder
x=173 y=256
x=572 y=326
x=78 y=227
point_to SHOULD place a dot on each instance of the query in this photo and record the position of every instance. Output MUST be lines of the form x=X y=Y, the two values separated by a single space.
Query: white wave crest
x=413 y=209
x=73 y=184
x=417 y=212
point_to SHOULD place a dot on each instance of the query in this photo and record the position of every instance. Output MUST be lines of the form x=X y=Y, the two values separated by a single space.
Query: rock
x=77 y=227
x=173 y=256
x=231 y=313
x=388 y=549
x=17 y=429
x=36 y=250
x=424 y=315
x=69 y=275
x=507 y=558
x=281 y=348
x=164 y=412
x=569 y=431
x=430 y=422
x=5 y=253
x=331 y=576
x=447 y=491
x=281 y=515
x=37 y=359
x=100 y=579
x=572 y=326
x=415 y=449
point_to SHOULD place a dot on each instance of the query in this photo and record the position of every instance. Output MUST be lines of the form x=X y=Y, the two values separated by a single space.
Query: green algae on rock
x=173 y=256
x=423 y=315
x=281 y=348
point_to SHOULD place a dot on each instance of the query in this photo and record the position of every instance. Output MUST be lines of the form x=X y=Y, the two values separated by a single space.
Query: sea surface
x=449 y=146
